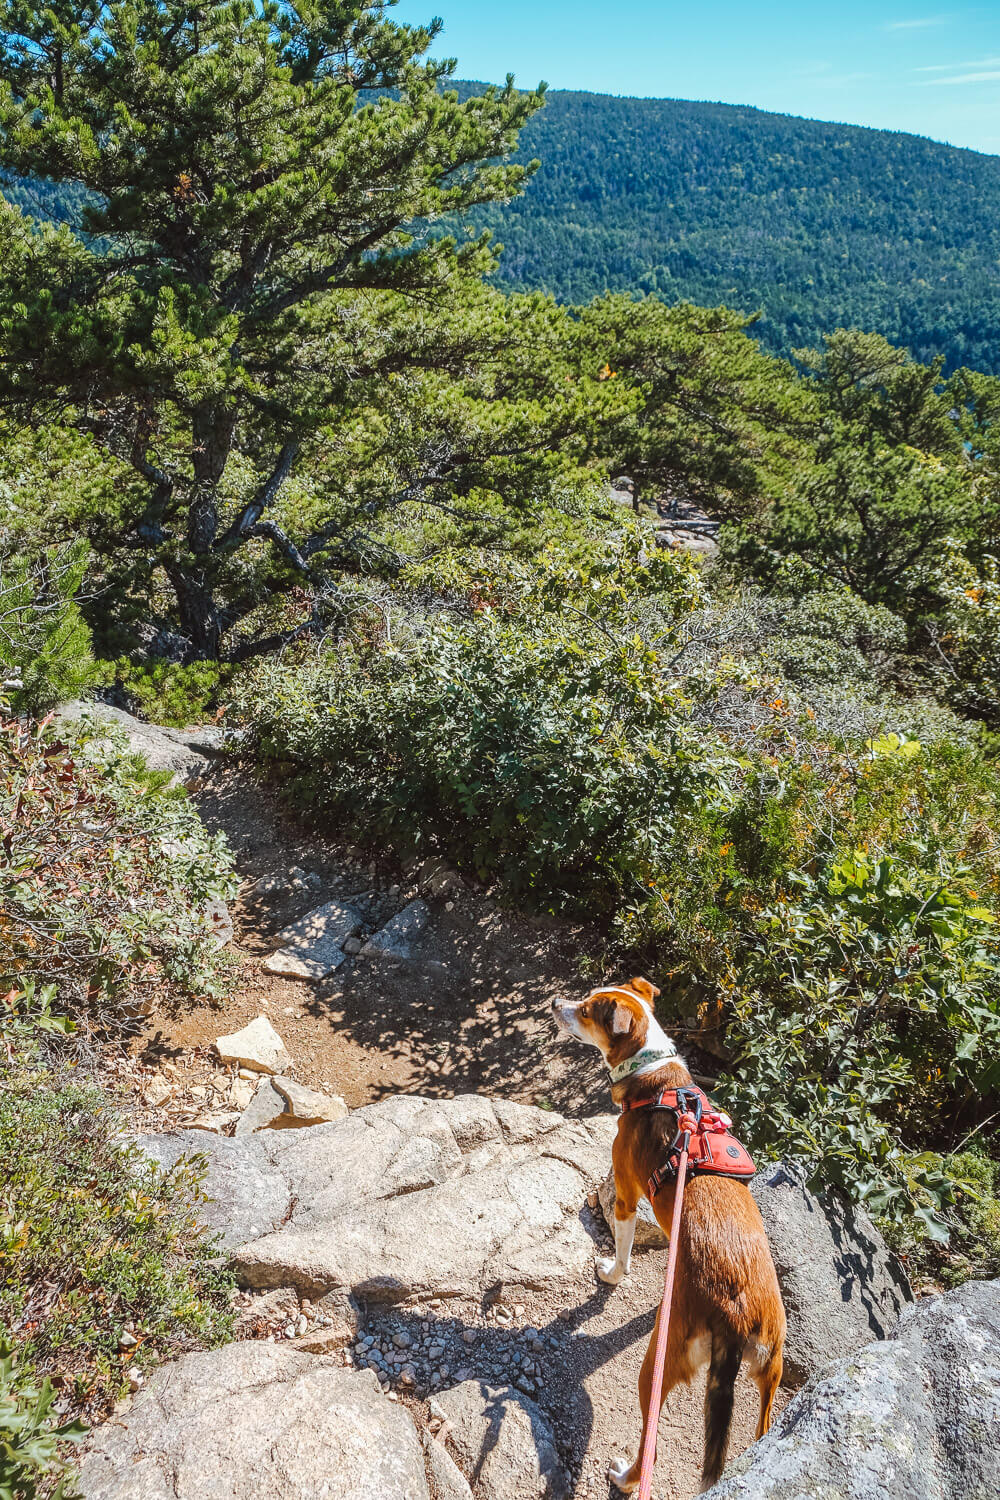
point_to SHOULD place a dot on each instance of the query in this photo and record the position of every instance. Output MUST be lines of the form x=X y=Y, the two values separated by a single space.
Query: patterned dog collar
x=641 y=1059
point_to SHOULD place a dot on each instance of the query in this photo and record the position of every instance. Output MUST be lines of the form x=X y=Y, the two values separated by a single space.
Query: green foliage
x=110 y=875
x=168 y=692
x=968 y=1243
x=520 y=744
x=253 y=175
x=819 y=225
x=96 y=1242
x=965 y=633
x=45 y=649
x=708 y=410
x=32 y=1462
x=587 y=731
x=870 y=995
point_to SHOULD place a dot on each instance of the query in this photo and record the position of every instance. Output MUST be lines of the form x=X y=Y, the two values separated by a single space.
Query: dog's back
x=727 y=1305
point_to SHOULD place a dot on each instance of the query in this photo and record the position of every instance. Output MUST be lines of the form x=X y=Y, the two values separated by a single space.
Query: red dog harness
x=713 y=1150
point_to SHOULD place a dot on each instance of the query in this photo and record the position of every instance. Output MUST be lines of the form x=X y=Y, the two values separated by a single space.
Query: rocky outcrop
x=256 y=1421
x=408 y=1196
x=188 y=753
x=912 y=1417
x=840 y=1284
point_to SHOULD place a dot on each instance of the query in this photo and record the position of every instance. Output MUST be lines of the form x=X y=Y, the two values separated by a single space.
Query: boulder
x=912 y=1417
x=413 y=1196
x=312 y=947
x=503 y=1442
x=246 y=1198
x=257 y=1046
x=255 y=1421
x=409 y=1197
x=397 y=937
x=187 y=753
x=840 y=1284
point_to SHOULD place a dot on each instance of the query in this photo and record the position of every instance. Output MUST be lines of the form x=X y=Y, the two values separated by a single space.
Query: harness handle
x=662 y=1329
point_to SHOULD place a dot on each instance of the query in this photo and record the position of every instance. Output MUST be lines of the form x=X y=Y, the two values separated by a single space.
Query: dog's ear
x=621 y=1019
x=645 y=989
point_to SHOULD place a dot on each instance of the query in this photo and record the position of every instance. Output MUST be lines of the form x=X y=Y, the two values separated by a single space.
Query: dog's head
x=614 y=1018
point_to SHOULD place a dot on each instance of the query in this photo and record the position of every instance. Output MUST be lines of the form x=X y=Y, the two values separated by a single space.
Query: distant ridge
x=819 y=225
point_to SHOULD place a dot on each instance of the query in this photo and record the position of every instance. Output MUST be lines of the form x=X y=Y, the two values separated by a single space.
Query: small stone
x=311 y=948
x=470 y=1336
x=396 y=938
x=216 y=1122
x=301 y=1324
x=402 y=1340
x=407 y=1376
x=127 y=1340
x=257 y=1046
x=353 y=946
x=306 y=1106
x=240 y=1092
x=157 y=1091
x=265 y=1106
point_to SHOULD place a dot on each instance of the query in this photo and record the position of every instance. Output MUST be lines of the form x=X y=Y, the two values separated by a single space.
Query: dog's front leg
x=612 y=1270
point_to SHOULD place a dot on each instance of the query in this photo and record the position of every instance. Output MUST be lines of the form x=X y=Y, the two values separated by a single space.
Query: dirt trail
x=469 y=1013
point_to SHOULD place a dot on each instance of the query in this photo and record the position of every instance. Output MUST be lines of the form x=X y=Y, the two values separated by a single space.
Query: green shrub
x=102 y=1268
x=168 y=692
x=967 y=1243
x=33 y=1464
x=45 y=653
x=110 y=874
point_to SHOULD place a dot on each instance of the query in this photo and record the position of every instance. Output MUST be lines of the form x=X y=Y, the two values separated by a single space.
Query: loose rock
x=257 y=1046
x=312 y=947
x=397 y=937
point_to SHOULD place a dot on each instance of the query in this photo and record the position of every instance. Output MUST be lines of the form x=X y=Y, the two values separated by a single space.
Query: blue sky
x=897 y=66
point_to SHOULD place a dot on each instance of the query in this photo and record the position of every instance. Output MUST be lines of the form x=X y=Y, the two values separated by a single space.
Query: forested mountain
x=820 y=226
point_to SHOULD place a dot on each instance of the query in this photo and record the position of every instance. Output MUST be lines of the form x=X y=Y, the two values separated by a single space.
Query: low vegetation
x=107 y=877
x=270 y=455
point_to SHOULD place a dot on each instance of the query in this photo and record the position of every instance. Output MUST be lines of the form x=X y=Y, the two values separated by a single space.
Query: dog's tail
x=727 y=1356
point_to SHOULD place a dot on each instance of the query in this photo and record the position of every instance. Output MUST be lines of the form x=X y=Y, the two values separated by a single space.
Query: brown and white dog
x=727 y=1307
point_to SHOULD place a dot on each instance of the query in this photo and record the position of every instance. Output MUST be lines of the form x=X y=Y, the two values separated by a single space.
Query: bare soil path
x=468 y=1014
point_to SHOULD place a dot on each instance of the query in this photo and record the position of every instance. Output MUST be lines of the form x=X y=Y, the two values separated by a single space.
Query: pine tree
x=247 y=269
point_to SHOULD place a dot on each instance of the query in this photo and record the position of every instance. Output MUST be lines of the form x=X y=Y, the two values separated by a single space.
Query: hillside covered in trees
x=819 y=226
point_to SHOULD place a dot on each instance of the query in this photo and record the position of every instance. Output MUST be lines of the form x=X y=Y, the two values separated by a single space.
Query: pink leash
x=663 y=1328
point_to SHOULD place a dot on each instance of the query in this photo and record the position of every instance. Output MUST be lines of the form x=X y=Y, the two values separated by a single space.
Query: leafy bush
x=591 y=736
x=968 y=1242
x=110 y=873
x=32 y=1462
x=966 y=633
x=101 y=1266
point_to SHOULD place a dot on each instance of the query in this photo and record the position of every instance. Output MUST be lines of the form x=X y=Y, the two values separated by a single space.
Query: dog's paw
x=618 y=1473
x=607 y=1270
